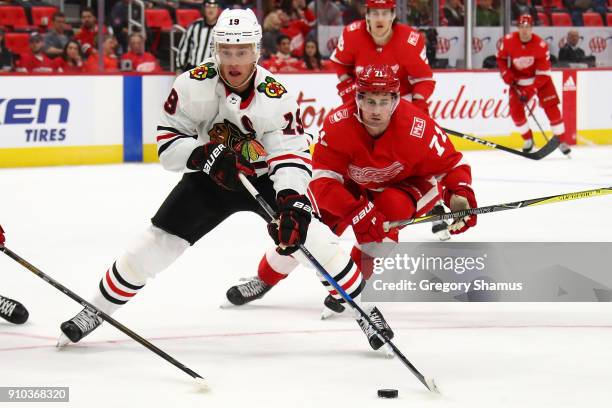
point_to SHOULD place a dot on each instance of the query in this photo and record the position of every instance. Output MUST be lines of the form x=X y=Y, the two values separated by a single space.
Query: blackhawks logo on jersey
x=244 y=143
x=272 y=88
x=205 y=71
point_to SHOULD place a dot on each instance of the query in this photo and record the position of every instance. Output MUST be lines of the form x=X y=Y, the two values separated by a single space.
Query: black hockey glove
x=290 y=227
x=222 y=164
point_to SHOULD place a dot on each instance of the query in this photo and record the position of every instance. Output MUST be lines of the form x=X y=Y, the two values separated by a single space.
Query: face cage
x=217 y=59
x=361 y=95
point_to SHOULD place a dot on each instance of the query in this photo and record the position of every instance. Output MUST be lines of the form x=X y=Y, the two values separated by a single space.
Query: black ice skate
x=78 y=327
x=332 y=307
x=379 y=321
x=247 y=292
x=527 y=145
x=13 y=311
x=439 y=228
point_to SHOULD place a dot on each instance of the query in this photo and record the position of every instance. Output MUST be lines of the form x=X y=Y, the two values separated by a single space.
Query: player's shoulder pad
x=408 y=34
x=267 y=85
x=338 y=115
x=415 y=122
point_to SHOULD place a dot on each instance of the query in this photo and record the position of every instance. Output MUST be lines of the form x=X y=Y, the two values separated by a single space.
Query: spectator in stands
x=71 y=60
x=328 y=12
x=139 y=59
x=520 y=7
x=283 y=60
x=6 y=57
x=109 y=57
x=355 y=10
x=195 y=45
x=311 y=60
x=271 y=32
x=87 y=33
x=192 y=4
x=119 y=21
x=418 y=13
x=571 y=52
x=296 y=28
x=454 y=13
x=487 y=14
x=56 y=38
x=576 y=8
x=35 y=60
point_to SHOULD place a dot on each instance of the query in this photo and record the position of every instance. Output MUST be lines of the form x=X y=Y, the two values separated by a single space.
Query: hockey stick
x=526 y=105
x=501 y=207
x=110 y=320
x=427 y=382
x=547 y=149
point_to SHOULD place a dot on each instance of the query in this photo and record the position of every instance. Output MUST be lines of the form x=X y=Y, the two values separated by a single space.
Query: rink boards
x=58 y=120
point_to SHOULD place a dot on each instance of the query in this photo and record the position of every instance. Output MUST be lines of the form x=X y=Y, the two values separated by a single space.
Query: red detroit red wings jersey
x=412 y=154
x=405 y=53
x=525 y=60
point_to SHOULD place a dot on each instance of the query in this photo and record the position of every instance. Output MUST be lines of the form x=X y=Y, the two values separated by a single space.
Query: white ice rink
x=72 y=222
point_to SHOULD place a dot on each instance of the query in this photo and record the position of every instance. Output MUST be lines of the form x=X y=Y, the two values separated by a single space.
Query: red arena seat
x=17 y=43
x=592 y=19
x=184 y=17
x=609 y=18
x=561 y=20
x=158 y=18
x=39 y=12
x=543 y=18
x=14 y=17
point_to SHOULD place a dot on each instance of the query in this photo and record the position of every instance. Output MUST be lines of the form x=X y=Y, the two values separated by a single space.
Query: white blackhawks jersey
x=265 y=128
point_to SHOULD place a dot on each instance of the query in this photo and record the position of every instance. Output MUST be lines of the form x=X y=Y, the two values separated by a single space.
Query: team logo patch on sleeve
x=418 y=128
x=413 y=38
x=272 y=88
x=205 y=71
x=230 y=135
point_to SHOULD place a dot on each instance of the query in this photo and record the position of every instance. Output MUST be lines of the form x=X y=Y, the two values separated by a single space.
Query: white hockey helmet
x=236 y=26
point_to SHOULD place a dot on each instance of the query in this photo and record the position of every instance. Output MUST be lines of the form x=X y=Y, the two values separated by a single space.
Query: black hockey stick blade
x=547 y=149
x=501 y=207
x=199 y=379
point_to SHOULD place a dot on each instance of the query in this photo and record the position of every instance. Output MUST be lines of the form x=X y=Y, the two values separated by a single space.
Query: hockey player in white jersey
x=228 y=115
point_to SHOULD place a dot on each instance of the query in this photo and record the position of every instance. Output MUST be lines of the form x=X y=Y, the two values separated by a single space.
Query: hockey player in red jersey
x=380 y=159
x=11 y=310
x=524 y=62
x=380 y=39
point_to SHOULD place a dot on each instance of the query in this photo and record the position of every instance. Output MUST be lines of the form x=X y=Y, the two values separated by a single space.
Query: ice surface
x=73 y=221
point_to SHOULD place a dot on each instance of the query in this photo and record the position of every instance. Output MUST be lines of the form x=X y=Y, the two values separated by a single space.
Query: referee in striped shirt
x=195 y=45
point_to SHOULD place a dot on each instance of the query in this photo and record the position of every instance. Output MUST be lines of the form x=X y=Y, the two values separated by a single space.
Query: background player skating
x=524 y=63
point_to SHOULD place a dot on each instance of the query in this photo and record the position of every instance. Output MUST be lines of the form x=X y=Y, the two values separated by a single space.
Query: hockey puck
x=387 y=393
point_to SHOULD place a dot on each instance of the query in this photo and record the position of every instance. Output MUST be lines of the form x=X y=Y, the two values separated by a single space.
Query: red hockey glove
x=461 y=199
x=222 y=164
x=346 y=90
x=525 y=93
x=367 y=223
x=508 y=77
x=1 y=235
x=290 y=227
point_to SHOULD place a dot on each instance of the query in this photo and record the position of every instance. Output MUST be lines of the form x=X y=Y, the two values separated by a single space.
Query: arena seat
x=17 y=43
x=184 y=17
x=543 y=18
x=561 y=20
x=158 y=18
x=39 y=12
x=592 y=19
x=14 y=17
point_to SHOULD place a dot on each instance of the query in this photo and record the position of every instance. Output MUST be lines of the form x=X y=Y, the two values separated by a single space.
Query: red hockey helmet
x=380 y=4
x=378 y=78
x=525 y=19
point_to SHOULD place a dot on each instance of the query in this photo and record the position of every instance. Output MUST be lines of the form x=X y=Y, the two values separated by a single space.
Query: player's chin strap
x=427 y=382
